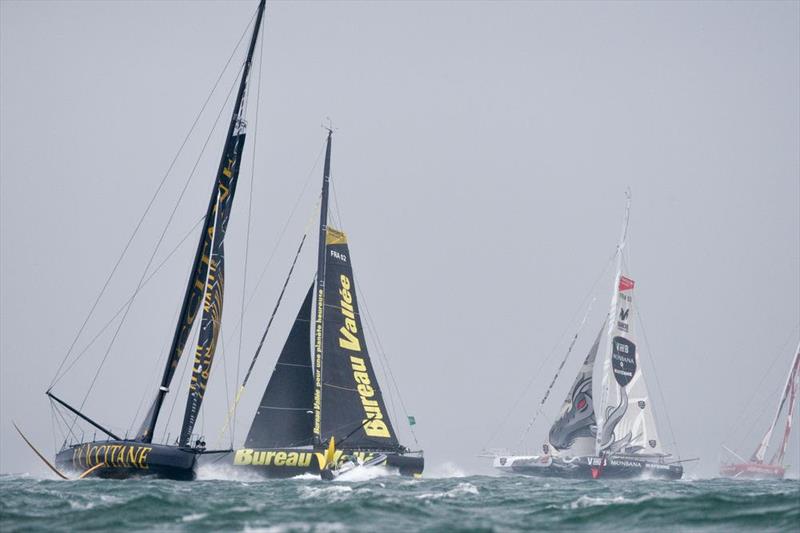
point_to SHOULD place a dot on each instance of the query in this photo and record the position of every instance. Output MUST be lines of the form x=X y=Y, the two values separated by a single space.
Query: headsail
x=573 y=434
x=353 y=407
x=284 y=416
x=198 y=286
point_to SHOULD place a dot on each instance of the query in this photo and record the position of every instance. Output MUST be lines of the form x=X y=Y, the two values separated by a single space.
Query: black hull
x=281 y=463
x=125 y=459
x=595 y=468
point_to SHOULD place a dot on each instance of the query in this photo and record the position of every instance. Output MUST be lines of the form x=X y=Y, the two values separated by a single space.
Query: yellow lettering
x=280 y=458
x=366 y=391
x=350 y=341
x=376 y=428
x=243 y=457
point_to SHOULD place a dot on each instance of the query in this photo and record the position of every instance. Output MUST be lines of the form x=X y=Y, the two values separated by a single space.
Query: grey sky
x=480 y=160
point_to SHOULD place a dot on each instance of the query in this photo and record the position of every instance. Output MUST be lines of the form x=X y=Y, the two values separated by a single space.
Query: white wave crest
x=444 y=471
x=323 y=527
x=462 y=489
x=212 y=472
x=329 y=492
x=589 y=501
x=193 y=517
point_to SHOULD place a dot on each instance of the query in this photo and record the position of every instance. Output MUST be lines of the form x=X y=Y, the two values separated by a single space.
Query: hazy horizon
x=481 y=156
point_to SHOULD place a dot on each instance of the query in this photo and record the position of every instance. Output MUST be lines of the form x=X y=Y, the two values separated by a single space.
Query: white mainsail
x=625 y=418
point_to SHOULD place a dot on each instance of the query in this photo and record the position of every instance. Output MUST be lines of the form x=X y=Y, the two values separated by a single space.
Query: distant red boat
x=757 y=467
x=752 y=470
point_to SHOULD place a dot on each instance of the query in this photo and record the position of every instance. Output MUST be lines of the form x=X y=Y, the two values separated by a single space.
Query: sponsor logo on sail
x=374 y=425
x=251 y=457
x=623 y=360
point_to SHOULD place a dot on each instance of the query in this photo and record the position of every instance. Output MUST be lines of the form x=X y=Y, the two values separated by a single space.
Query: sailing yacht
x=122 y=457
x=323 y=408
x=758 y=467
x=612 y=434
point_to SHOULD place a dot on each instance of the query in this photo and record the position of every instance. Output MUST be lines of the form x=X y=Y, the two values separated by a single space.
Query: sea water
x=374 y=502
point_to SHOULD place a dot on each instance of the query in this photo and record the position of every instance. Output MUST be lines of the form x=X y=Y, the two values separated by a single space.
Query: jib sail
x=573 y=433
x=284 y=416
x=353 y=409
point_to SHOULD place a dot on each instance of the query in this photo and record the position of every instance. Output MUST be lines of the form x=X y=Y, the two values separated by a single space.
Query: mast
x=788 y=390
x=319 y=322
x=601 y=410
x=197 y=283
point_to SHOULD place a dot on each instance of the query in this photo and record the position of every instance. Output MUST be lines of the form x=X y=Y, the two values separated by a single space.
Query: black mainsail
x=353 y=406
x=206 y=282
x=284 y=417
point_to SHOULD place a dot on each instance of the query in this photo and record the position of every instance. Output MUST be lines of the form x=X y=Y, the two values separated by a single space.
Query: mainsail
x=353 y=409
x=627 y=422
x=212 y=306
x=206 y=280
x=573 y=433
x=284 y=416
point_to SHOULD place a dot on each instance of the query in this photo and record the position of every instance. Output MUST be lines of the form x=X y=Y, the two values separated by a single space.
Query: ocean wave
x=462 y=489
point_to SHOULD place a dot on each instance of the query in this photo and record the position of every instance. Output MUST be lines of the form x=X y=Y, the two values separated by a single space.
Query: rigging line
x=767 y=405
x=749 y=403
x=232 y=411
x=282 y=233
x=111 y=320
x=155 y=250
x=558 y=371
x=658 y=381
x=249 y=217
x=385 y=357
x=227 y=390
x=154 y=373
x=552 y=352
x=64 y=420
x=194 y=333
x=149 y=206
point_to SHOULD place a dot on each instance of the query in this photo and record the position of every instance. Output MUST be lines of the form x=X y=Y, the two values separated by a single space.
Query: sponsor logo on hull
x=111 y=455
x=286 y=458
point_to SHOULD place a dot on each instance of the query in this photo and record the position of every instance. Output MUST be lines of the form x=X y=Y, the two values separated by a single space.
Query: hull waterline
x=752 y=471
x=588 y=467
x=276 y=463
x=125 y=459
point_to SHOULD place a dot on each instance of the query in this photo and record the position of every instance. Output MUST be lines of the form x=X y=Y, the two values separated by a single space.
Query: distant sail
x=627 y=425
x=573 y=434
x=353 y=409
x=789 y=392
x=283 y=417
